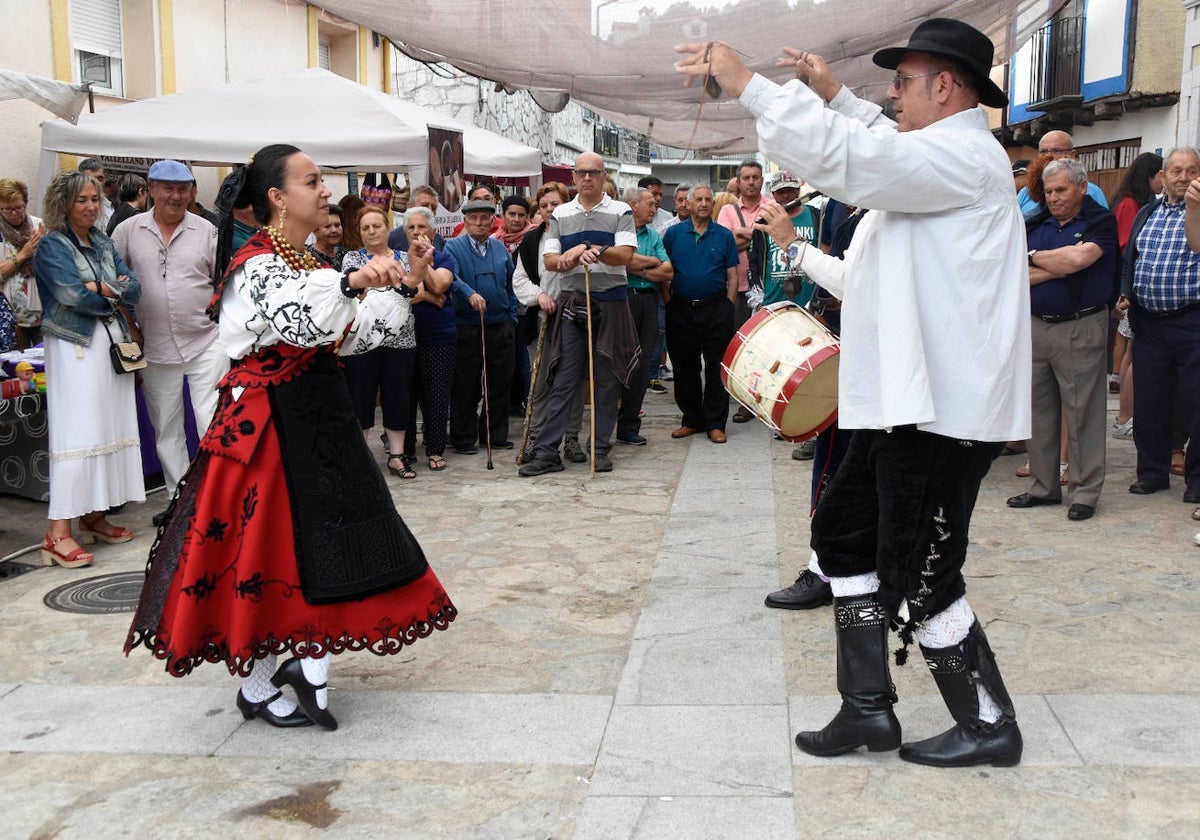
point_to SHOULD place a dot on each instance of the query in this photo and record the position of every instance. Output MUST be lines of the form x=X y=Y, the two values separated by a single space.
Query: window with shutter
x=96 y=40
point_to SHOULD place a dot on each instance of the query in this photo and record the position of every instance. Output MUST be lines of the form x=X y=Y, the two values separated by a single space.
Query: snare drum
x=783 y=365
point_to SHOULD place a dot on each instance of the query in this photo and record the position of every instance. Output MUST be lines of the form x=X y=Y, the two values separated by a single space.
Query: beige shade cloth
x=616 y=56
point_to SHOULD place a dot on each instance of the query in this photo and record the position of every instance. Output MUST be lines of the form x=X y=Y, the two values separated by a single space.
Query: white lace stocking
x=848 y=587
x=814 y=566
x=257 y=687
x=316 y=671
x=949 y=628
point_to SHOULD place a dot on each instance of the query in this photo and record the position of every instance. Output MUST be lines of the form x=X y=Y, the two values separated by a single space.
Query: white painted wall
x=1156 y=126
x=1188 y=133
x=25 y=48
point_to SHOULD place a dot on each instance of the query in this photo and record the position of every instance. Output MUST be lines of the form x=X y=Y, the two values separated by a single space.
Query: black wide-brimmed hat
x=954 y=39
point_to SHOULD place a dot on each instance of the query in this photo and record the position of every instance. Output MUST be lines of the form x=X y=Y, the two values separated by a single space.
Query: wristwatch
x=794 y=250
x=1031 y=253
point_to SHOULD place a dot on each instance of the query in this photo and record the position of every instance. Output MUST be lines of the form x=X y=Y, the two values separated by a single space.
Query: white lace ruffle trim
x=93 y=451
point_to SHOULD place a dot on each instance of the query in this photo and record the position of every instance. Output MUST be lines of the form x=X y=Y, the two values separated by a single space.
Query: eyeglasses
x=589 y=173
x=1055 y=151
x=900 y=78
x=16 y=208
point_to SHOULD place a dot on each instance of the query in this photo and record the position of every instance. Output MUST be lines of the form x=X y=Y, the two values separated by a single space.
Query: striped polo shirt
x=608 y=223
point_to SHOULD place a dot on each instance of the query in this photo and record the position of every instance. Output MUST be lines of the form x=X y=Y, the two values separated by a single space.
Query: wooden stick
x=587 y=290
x=487 y=410
x=537 y=363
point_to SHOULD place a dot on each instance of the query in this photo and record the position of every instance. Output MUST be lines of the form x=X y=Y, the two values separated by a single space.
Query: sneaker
x=602 y=462
x=541 y=466
x=631 y=438
x=656 y=387
x=664 y=373
x=804 y=452
x=573 y=451
x=808 y=592
x=1122 y=431
x=527 y=452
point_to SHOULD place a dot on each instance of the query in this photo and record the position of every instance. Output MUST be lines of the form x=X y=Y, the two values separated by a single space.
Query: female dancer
x=283 y=536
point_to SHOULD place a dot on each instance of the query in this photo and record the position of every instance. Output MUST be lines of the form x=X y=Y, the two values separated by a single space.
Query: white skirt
x=95 y=452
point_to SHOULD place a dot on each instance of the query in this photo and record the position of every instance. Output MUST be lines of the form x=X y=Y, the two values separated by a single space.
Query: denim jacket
x=62 y=265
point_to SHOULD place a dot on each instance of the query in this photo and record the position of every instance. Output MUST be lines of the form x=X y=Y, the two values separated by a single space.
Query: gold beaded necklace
x=296 y=260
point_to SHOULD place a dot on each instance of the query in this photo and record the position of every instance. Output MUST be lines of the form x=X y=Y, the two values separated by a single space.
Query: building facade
x=1107 y=72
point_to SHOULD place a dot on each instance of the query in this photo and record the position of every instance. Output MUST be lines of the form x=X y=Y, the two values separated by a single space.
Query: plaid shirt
x=1166 y=276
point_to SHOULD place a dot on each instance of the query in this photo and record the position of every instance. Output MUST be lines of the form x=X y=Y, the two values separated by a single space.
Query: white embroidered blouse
x=266 y=303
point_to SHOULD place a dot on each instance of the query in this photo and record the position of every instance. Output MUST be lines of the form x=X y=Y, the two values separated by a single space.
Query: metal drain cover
x=99 y=595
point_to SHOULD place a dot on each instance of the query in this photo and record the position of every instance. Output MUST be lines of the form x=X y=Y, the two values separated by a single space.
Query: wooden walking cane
x=487 y=409
x=537 y=361
x=587 y=291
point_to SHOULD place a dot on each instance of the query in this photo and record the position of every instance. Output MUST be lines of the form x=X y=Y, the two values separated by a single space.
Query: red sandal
x=89 y=532
x=70 y=560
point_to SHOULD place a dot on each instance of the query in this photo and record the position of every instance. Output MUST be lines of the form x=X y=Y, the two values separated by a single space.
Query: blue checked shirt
x=1166 y=276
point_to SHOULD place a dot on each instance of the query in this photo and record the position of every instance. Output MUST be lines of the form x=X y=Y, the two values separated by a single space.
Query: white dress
x=95 y=451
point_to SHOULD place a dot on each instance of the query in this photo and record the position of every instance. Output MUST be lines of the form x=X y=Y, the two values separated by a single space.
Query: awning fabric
x=616 y=56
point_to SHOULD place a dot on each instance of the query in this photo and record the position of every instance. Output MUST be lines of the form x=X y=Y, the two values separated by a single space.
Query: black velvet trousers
x=900 y=505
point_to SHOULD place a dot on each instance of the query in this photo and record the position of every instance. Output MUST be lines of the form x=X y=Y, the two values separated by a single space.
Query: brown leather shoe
x=716 y=436
x=683 y=431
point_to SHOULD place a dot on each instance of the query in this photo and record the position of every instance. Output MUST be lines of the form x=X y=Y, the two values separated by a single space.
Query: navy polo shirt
x=700 y=261
x=1084 y=289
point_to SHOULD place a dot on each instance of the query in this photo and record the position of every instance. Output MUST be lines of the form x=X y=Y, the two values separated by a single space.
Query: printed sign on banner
x=446 y=177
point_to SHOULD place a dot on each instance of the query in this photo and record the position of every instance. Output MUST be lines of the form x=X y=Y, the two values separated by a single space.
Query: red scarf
x=512 y=241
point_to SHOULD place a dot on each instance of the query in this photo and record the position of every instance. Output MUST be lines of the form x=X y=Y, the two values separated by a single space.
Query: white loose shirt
x=935 y=285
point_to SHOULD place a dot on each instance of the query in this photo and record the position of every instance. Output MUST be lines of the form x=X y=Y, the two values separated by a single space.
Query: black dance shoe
x=251 y=710
x=290 y=673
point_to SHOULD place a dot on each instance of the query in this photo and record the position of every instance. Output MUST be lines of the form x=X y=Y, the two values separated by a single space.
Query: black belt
x=1188 y=307
x=698 y=301
x=1074 y=316
x=634 y=291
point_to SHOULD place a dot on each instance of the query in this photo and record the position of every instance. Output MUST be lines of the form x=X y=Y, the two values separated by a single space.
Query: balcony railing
x=1056 y=73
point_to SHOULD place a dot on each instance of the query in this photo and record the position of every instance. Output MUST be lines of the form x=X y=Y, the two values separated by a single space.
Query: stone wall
x=476 y=101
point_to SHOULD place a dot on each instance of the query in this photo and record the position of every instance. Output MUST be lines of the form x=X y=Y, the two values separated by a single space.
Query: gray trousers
x=573 y=369
x=1069 y=380
x=541 y=391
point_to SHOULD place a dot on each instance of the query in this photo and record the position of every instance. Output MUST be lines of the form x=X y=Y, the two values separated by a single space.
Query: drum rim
x=793 y=381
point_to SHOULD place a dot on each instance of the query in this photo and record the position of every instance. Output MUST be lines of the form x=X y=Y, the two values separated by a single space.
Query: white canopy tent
x=225 y=124
x=616 y=56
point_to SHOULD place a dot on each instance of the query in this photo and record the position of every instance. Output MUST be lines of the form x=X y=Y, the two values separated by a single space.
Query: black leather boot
x=958 y=670
x=866 y=718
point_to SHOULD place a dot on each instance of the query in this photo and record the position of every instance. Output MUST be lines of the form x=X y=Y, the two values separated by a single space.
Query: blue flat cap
x=170 y=170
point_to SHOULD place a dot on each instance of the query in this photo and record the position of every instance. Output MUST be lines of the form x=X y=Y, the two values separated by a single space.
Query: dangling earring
x=282 y=218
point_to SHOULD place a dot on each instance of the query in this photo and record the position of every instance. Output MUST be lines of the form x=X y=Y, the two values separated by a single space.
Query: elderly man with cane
x=590 y=240
x=935 y=371
x=485 y=311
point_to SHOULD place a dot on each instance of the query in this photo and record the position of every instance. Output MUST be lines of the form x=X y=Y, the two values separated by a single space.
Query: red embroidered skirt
x=223 y=583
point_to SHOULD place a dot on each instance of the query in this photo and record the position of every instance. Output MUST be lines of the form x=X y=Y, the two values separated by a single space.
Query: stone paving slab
x=697 y=672
x=694 y=751
x=685 y=817
x=1132 y=730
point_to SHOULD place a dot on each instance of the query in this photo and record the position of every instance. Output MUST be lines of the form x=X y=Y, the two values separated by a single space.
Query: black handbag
x=126 y=355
